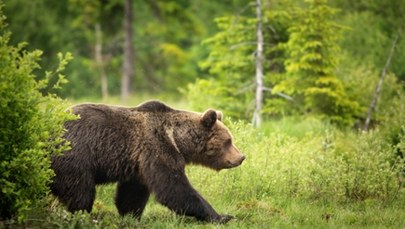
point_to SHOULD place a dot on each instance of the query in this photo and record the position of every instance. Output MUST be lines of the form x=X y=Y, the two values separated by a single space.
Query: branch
x=247 y=88
x=379 y=85
x=285 y=96
x=242 y=44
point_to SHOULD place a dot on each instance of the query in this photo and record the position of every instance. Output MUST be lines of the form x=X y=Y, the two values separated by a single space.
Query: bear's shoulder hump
x=91 y=109
x=153 y=106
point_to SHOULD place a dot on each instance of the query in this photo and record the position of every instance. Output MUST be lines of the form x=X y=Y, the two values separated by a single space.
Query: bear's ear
x=209 y=118
x=219 y=115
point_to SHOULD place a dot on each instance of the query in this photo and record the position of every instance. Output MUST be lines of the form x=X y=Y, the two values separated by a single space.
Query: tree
x=91 y=18
x=379 y=85
x=166 y=34
x=40 y=24
x=98 y=53
x=384 y=20
x=127 y=70
x=257 y=117
x=235 y=59
x=231 y=67
x=313 y=55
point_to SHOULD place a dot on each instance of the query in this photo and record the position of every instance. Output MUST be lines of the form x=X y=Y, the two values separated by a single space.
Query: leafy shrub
x=393 y=126
x=323 y=165
x=369 y=166
x=30 y=128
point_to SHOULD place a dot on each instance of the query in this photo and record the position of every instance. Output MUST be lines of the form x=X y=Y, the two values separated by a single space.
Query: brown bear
x=144 y=149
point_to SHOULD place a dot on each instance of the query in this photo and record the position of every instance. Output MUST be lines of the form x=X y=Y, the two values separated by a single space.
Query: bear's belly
x=105 y=175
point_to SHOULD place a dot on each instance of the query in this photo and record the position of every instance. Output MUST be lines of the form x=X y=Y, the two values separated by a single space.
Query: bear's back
x=120 y=117
x=100 y=114
x=153 y=106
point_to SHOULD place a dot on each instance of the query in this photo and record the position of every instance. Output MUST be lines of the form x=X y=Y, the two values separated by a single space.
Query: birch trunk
x=127 y=72
x=257 y=118
x=98 y=52
x=378 y=88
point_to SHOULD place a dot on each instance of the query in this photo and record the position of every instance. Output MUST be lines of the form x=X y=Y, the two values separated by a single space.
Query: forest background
x=322 y=61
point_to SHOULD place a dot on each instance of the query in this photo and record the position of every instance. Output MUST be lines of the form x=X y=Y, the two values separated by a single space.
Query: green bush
x=369 y=166
x=31 y=126
x=326 y=164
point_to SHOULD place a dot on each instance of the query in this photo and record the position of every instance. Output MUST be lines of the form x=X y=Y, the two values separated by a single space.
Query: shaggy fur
x=144 y=149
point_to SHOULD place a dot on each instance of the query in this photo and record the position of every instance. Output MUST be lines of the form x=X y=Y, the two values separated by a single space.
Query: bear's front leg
x=172 y=189
x=131 y=197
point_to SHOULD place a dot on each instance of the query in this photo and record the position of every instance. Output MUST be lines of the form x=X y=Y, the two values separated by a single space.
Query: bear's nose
x=242 y=158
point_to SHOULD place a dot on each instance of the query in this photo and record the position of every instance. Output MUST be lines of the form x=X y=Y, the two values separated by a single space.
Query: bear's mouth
x=233 y=164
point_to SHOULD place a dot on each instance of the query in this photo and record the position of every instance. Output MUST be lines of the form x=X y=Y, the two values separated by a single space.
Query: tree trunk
x=128 y=71
x=98 y=53
x=257 y=118
x=379 y=86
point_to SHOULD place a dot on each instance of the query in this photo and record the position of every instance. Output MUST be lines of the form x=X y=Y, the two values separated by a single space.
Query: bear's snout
x=234 y=157
x=239 y=160
x=242 y=158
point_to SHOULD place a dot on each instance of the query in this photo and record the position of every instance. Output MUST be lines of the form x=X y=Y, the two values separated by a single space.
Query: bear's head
x=220 y=151
x=207 y=141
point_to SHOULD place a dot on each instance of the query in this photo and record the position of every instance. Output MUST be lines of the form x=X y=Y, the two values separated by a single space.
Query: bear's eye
x=210 y=152
x=228 y=143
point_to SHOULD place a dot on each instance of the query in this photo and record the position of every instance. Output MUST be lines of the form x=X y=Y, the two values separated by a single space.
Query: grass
x=268 y=212
x=298 y=174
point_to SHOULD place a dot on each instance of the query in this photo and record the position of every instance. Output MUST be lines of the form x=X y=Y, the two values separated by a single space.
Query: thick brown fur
x=145 y=149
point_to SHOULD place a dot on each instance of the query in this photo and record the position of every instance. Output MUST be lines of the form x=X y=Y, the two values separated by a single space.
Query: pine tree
x=313 y=55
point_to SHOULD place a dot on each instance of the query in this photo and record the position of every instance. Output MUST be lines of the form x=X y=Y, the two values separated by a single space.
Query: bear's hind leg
x=82 y=200
x=76 y=191
x=131 y=197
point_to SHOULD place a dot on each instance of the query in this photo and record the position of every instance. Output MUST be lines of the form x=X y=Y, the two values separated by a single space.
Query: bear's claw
x=224 y=219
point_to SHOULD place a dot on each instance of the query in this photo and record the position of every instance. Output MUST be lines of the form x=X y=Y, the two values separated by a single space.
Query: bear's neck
x=170 y=135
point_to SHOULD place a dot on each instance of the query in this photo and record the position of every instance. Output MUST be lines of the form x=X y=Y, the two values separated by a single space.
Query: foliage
x=210 y=93
x=41 y=25
x=91 y=19
x=331 y=165
x=168 y=37
x=230 y=63
x=313 y=56
x=162 y=30
x=360 y=81
x=370 y=44
x=30 y=128
x=392 y=122
x=306 y=40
